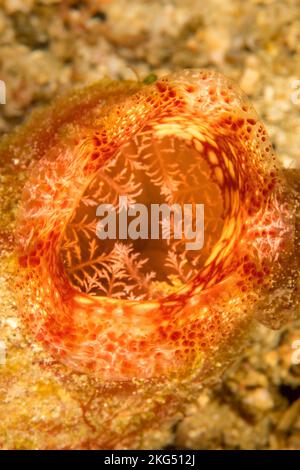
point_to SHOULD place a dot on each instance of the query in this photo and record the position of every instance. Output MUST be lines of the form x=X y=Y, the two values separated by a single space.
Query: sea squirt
x=151 y=311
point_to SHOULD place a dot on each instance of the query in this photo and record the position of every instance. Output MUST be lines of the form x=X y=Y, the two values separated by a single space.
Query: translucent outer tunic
x=149 y=324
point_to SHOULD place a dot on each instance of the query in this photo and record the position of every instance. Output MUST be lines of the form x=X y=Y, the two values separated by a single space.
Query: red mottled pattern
x=125 y=311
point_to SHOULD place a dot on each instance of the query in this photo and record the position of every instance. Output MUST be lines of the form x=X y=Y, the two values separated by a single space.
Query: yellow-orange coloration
x=129 y=311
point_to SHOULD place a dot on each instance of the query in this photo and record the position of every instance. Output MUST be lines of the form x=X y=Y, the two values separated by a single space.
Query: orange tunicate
x=145 y=309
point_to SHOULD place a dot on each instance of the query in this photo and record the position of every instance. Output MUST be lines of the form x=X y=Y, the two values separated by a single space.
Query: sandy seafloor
x=47 y=46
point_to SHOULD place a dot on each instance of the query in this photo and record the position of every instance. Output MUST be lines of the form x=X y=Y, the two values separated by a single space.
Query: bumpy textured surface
x=46 y=48
x=189 y=319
